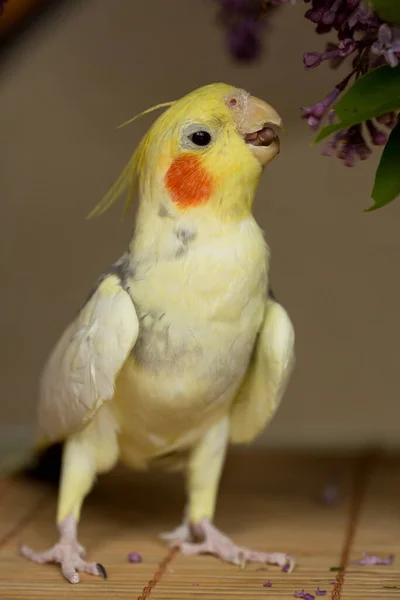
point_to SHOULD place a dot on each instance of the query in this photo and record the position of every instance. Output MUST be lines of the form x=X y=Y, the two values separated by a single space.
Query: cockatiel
x=180 y=348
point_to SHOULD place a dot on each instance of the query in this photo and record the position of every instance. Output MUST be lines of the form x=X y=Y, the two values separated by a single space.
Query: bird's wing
x=268 y=374
x=81 y=371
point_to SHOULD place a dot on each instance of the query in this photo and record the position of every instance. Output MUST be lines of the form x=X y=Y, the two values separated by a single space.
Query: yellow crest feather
x=128 y=177
x=146 y=112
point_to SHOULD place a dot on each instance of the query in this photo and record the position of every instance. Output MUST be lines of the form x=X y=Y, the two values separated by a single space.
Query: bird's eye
x=200 y=138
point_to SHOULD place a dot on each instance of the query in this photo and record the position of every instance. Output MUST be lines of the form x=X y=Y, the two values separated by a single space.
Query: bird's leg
x=84 y=455
x=203 y=474
x=205 y=468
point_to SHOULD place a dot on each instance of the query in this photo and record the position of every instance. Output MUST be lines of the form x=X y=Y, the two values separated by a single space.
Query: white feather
x=81 y=371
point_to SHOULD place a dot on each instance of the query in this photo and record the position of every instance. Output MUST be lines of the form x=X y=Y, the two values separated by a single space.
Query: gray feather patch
x=123 y=268
x=185 y=237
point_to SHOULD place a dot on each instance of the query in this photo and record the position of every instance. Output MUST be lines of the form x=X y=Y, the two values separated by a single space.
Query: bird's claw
x=69 y=556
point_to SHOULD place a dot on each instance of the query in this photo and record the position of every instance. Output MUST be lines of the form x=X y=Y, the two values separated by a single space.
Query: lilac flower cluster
x=362 y=38
x=370 y=43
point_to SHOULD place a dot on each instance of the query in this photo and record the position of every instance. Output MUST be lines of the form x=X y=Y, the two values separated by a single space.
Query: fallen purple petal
x=268 y=584
x=304 y=595
x=285 y=568
x=372 y=559
x=330 y=493
x=134 y=557
x=319 y=592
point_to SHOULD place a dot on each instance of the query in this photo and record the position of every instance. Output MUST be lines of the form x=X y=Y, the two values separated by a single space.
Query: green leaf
x=370 y=96
x=387 y=178
x=334 y=569
x=388 y=10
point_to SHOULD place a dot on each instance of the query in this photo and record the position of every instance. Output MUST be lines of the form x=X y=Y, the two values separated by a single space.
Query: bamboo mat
x=267 y=502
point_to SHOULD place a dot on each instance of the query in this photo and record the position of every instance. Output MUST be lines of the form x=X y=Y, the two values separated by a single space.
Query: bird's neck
x=164 y=231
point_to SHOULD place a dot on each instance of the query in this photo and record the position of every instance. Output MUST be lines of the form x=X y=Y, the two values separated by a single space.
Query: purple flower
x=134 y=557
x=389 y=120
x=346 y=47
x=362 y=17
x=319 y=592
x=378 y=138
x=304 y=595
x=331 y=145
x=243 y=40
x=341 y=50
x=388 y=44
x=371 y=559
x=348 y=145
x=312 y=59
x=329 y=15
x=243 y=22
x=315 y=15
x=315 y=113
x=335 y=59
x=351 y=145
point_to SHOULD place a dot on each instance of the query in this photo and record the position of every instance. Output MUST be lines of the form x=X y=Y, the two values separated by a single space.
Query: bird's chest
x=200 y=313
x=198 y=320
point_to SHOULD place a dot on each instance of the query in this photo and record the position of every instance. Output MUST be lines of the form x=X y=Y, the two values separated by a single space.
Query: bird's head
x=207 y=150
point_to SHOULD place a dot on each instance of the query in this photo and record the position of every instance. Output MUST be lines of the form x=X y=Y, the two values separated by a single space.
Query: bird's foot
x=68 y=553
x=215 y=542
x=69 y=556
x=182 y=533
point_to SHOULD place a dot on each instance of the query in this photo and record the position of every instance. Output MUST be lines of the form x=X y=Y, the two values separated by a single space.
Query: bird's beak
x=258 y=129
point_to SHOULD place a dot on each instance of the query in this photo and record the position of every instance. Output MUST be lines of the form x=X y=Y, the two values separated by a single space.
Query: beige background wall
x=62 y=93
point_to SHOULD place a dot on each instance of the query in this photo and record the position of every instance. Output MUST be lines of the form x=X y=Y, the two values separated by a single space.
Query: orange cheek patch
x=188 y=182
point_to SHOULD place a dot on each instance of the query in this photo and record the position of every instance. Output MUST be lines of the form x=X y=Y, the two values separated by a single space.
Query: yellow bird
x=180 y=348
